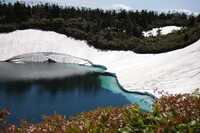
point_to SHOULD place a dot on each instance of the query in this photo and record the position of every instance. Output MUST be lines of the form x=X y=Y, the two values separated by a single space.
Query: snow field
x=175 y=72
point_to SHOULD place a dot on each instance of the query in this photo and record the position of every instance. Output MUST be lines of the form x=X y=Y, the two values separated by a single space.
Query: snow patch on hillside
x=163 y=31
x=175 y=72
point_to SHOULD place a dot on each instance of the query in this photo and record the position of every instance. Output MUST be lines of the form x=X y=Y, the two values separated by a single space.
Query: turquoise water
x=31 y=90
x=110 y=83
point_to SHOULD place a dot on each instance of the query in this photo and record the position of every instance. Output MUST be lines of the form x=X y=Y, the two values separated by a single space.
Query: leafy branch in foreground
x=3 y=115
x=171 y=113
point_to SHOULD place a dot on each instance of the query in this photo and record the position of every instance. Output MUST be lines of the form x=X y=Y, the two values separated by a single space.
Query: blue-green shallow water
x=31 y=90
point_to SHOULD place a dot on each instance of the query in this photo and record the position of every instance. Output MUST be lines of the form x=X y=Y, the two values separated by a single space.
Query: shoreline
x=177 y=70
x=127 y=91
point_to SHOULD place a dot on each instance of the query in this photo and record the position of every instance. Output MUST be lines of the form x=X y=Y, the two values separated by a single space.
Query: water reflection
x=36 y=71
x=30 y=90
x=88 y=83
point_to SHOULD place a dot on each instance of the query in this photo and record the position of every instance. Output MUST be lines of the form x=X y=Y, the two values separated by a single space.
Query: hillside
x=175 y=72
x=103 y=29
x=167 y=66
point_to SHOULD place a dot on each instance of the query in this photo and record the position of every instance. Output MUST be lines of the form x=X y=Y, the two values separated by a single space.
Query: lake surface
x=31 y=90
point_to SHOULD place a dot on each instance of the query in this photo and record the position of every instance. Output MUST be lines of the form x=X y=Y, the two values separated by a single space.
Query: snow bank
x=48 y=57
x=163 y=31
x=175 y=72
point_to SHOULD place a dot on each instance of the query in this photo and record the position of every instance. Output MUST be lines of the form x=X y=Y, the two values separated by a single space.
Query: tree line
x=104 y=29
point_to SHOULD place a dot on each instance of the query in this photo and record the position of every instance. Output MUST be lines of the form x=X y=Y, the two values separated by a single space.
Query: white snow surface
x=163 y=31
x=48 y=57
x=174 y=72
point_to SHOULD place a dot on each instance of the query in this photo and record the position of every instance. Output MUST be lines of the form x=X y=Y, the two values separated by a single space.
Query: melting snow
x=175 y=72
x=163 y=31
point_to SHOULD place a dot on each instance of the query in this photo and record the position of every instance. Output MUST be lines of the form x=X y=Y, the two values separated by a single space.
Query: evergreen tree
x=191 y=21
